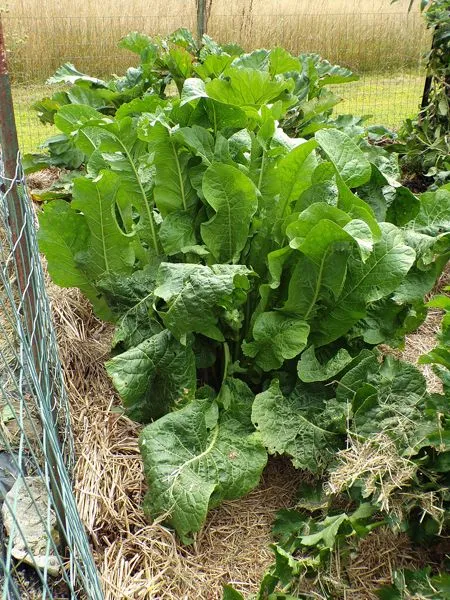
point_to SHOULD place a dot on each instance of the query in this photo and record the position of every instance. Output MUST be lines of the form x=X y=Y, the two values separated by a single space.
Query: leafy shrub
x=244 y=269
x=425 y=140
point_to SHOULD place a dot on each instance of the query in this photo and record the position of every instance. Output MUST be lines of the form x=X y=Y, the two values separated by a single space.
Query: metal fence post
x=21 y=244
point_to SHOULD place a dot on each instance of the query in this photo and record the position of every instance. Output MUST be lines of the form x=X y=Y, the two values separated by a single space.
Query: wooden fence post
x=201 y=18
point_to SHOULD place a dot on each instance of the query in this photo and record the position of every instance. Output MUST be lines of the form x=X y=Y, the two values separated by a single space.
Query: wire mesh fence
x=44 y=550
x=386 y=47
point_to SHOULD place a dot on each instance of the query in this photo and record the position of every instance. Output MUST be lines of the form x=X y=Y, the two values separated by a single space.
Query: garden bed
x=140 y=560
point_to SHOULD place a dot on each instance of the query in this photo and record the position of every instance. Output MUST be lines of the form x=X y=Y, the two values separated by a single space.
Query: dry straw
x=367 y=35
x=139 y=560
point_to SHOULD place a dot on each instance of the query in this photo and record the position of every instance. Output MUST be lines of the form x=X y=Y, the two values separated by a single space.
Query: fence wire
x=385 y=47
x=44 y=550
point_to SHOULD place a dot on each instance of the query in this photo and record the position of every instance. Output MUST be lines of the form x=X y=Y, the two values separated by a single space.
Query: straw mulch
x=43 y=179
x=141 y=560
x=138 y=560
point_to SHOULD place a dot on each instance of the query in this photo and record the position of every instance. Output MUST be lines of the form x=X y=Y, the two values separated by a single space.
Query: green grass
x=389 y=99
x=31 y=132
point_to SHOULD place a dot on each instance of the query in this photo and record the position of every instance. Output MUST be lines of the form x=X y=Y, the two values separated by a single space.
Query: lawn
x=30 y=130
x=388 y=99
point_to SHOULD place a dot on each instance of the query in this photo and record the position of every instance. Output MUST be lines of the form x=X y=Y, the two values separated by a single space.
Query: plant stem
x=226 y=361
x=261 y=171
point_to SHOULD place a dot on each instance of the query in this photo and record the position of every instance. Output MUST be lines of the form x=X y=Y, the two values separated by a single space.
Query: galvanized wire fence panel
x=44 y=550
x=385 y=47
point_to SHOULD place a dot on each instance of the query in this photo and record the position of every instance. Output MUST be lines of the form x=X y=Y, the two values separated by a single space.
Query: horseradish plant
x=243 y=268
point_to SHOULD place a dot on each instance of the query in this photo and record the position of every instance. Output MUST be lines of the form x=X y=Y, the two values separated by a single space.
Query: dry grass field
x=381 y=41
x=367 y=35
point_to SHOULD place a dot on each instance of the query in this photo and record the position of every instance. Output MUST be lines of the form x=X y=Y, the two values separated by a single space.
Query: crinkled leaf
x=366 y=282
x=177 y=232
x=434 y=214
x=198 y=140
x=348 y=159
x=310 y=369
x=194 y=459
x=71 y=117
x=293 y=426
x=131 y=299
x=248 y=87
x=322 y=266
x=153 y=376
x=386 y=397
x=388 y=321
x=389 y=200
x=277 y=338
x=196 y=296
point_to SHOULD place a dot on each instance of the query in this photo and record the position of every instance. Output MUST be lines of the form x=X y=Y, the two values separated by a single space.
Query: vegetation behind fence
x=384 y=43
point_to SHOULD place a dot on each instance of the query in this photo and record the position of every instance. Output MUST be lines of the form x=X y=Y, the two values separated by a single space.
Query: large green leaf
x=297 y=425
x=194 y=459
x=311 y=370
x=293 y=174
x=173 y=190
x=108 y=249
x=63 y=236
x=277 y=338
x=177 y=232
x=434 y=213
x=248 y=87
x=196 y=296
x=136 y=42
x=60 y=152
x=366 y=282
x=387 y=397
x=321 y=234
x=349 y=160
x=232 y=195
x=389 y=200
x=153 y=376
x=67 y=73
x=116 y=147
x=198 y=140
x=282 y=61
x=71 y=117
x=131 y=299
x=213 y=66
x=356 y=207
